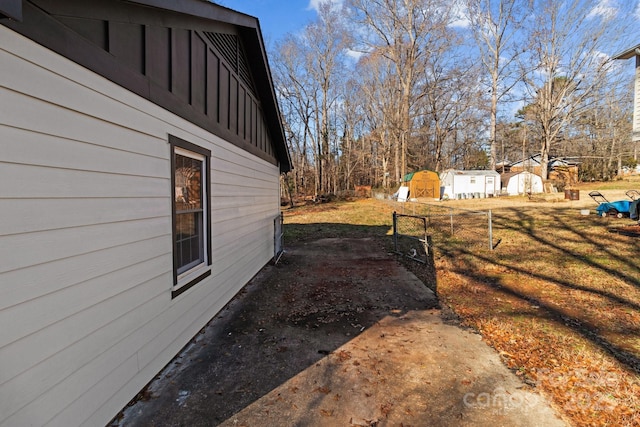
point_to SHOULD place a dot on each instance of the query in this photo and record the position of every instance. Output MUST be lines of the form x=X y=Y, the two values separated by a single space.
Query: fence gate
x=410 y=236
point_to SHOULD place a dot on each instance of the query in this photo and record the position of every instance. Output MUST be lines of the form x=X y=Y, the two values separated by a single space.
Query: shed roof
x=408 y=177
x=479 y=172
x=47 y=23
x=536 y=160
x=505 y=177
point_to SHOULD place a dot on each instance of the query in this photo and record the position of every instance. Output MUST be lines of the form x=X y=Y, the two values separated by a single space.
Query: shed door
x=489 y=185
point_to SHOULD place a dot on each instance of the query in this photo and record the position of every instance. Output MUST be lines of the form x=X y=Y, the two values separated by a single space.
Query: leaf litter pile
x=558 y=298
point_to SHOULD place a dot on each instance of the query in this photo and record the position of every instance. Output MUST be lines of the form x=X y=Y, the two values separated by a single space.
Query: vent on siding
x=229 y=47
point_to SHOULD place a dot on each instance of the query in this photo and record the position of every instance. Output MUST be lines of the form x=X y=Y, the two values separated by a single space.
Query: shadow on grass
x=558 y=237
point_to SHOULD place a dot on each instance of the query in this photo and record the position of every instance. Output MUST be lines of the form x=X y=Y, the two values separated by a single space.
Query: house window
x=190 y=213
x=473 y=180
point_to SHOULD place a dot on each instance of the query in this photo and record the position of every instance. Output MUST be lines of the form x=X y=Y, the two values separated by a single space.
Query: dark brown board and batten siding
x=195 y=68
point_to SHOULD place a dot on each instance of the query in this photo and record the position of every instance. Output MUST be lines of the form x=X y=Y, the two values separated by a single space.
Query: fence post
x=426 y=237
x=451 y=219
x=395 y=231
x=490 y=230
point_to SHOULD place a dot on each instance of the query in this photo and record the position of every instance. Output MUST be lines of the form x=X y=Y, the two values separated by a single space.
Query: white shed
x=466 y=184
x=125 y=127
x=524 y=182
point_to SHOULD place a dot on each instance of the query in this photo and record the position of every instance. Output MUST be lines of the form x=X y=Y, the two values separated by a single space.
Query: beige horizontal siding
x=233 y=160
x=29 y=181
x=49 y=309
x=263 y=199
x=47 y=278
x=32 y=215
x=77 y=341
x=24 y=250
x=85 y=238
x=53 y=119
x=28 y=147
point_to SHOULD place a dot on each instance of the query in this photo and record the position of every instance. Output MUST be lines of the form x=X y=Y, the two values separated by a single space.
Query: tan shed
x=424 y=183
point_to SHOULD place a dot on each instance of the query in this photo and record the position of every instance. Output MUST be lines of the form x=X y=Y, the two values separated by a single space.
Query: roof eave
x=202 y=9
x=629 y=53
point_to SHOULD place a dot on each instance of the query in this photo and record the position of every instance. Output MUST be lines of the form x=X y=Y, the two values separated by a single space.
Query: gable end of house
x=190 y=58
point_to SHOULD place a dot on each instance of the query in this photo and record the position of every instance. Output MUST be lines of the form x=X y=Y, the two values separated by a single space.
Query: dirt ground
x=339 y=333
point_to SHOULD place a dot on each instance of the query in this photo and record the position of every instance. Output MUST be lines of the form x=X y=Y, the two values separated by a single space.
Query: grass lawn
x=558 y=298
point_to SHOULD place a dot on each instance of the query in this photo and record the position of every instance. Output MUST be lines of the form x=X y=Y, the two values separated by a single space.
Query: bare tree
x=495 y=25
x=568 y=45
x=601 y=137
x=509 y=139
x=450 y=92
x=295 y=92
x=415 y=99
x=379 y=105
x=326 y=41
x=404 y=32
x=309 y=70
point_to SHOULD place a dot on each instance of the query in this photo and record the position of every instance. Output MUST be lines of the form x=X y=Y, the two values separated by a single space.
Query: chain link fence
x=410 y=236
x=445 y=225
